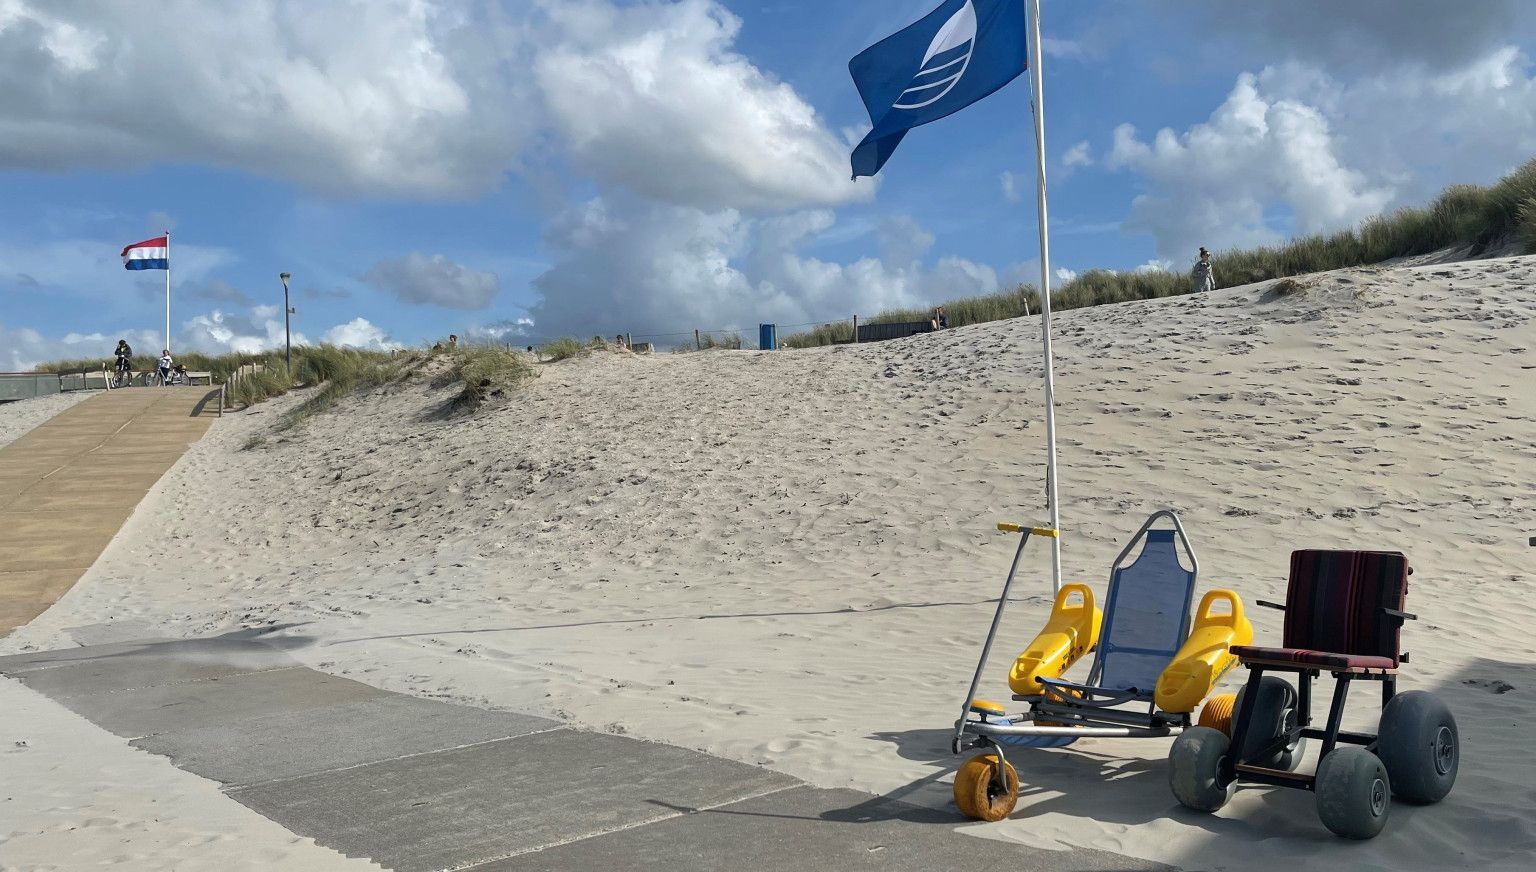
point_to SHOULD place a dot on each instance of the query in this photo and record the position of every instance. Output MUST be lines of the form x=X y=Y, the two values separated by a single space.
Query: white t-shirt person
x=165 y=365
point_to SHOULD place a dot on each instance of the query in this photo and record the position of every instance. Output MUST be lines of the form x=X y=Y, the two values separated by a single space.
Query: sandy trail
x=787 y=558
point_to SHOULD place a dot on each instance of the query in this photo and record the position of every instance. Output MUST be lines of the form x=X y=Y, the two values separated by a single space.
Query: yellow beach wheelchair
x=1151 y=669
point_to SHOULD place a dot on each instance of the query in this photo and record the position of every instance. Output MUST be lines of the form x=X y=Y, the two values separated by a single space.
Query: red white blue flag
x=149 y=254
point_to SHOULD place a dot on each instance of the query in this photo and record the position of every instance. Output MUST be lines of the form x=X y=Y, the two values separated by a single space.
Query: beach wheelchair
x=1151 y=669
x=1343 y=615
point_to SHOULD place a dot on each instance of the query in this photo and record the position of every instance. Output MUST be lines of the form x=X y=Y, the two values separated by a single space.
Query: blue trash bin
x=767 y=337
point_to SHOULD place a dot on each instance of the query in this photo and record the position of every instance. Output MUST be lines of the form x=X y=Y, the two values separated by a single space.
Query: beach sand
x=789 y=558
x=19 y=416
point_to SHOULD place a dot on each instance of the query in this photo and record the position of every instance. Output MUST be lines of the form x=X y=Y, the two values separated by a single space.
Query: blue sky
x=529 y=169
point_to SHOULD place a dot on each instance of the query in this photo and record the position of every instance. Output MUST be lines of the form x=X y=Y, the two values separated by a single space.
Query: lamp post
x=287 y=324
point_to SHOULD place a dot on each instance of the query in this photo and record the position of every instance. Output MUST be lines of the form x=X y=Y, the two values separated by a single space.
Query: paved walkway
x=67 y=486
x=416 y=785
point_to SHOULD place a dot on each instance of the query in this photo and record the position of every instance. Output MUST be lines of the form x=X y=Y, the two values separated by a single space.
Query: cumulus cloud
x=413 y=101
x=1296 y=149
x=652 y=97
x=1064 y=275
x=1214 y=184
x=359 y=333
x=423 y=98
x=628 y=265
x=1421 y=129
x=218 y=332
x=435 y=280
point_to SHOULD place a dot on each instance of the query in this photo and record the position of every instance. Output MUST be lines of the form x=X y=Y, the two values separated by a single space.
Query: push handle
x=1203 y=614
x=1008 y=527
x=1067 y=590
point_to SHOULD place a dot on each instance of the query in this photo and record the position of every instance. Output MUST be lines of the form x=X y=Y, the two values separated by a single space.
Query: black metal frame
x=1234 y=768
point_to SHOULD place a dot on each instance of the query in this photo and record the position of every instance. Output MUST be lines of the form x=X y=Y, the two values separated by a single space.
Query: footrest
x=1250 y=769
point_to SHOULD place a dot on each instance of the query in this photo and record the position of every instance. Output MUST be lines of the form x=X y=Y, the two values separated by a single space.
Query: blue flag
x=954 y=56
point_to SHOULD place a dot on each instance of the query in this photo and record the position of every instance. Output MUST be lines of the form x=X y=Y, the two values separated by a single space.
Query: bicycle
x=123 y=375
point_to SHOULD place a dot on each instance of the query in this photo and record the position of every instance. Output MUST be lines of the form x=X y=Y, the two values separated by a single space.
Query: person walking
x=165 y=367
x=1204 y=274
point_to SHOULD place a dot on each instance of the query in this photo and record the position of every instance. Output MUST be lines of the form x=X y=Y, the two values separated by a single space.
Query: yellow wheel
x=1217 y=713
x=977 y=792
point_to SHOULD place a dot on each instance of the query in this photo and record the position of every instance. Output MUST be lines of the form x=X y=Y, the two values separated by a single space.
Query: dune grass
x=486 y=371
x=564 y=348
x=1473 y=217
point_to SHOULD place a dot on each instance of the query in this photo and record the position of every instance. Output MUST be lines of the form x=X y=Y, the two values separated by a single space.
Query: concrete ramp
x=67 y=486
x=419 y=785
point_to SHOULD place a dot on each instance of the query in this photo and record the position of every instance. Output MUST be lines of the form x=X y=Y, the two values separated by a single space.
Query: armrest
x=1401 y=615
x=1269 y=605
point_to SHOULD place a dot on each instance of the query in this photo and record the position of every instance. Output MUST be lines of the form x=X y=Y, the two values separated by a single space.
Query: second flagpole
x=167 y=290
x=1037 y=92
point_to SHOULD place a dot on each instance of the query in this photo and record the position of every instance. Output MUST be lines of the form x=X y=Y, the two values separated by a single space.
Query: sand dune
x=787 y=557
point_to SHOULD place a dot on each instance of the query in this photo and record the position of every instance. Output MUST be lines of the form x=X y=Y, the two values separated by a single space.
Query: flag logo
x=945 y=63
x=950 y=58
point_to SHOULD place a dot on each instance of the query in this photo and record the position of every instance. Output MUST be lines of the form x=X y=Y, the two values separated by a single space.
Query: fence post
x=855 y=329
x=696 y=345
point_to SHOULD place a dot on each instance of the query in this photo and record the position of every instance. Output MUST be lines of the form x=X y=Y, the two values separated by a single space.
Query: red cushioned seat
x=1343 y=610
x=1321 y=659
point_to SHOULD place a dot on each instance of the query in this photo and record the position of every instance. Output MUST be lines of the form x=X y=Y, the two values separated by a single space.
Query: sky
x=520 y=170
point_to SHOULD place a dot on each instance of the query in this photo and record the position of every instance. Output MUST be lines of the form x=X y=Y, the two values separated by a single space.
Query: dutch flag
x=149 y=254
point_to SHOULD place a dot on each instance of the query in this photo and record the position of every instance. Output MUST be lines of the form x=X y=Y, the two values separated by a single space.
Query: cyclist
x=165 y=366
x=124 y=366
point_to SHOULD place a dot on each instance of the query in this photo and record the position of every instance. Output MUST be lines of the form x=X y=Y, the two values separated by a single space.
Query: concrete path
x=416 y=785
x=67 y=486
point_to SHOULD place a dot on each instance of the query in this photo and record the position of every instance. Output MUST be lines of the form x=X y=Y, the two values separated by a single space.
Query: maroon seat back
x=1336 y=599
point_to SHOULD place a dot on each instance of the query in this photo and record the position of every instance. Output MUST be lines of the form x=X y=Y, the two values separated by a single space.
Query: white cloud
x=1064 y=275
x=1419 y=129
x=1294 y=141
x=1079 y=155
x=628 y=265
x=1215 y=183
x=435 y=280
x=652 y=98
x=359 y=333
x=1011 y=191
x=414 y=100
x=218 y=332
x=1155 y=265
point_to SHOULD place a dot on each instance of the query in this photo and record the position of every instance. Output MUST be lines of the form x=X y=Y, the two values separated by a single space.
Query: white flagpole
x=1038 y=93
x=167 y=345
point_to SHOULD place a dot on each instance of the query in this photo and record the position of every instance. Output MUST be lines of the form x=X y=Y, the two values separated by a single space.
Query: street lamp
x=287 y=324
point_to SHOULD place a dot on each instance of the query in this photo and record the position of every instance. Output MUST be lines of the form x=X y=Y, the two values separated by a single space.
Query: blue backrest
x=1146 y=617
